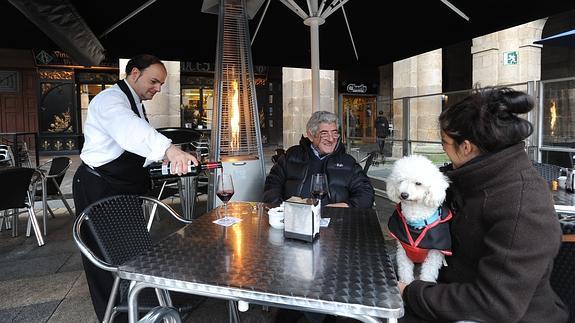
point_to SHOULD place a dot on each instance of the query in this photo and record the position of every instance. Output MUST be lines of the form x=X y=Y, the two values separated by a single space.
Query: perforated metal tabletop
x=346 y=271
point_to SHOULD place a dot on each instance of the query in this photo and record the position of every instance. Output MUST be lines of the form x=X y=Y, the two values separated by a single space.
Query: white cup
x=276 y=218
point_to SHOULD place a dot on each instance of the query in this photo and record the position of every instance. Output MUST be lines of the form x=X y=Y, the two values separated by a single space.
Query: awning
x=564 y=39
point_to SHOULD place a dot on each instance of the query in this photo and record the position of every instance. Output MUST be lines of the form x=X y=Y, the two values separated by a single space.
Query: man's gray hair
x=321 y=117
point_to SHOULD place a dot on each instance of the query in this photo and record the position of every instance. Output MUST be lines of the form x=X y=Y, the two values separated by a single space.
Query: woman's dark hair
x=488 y=118
x=142 y=62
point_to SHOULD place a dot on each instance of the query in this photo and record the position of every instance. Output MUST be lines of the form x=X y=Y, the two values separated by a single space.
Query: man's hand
x=179 y=160
x=340 y=204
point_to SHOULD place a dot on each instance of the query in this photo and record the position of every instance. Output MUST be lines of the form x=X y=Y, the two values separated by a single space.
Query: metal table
x=347 y=271
x=565 y=208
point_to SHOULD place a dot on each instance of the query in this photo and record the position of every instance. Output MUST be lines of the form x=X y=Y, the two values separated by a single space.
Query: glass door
x=197 y=107
x=87 y=93
x=359 y=113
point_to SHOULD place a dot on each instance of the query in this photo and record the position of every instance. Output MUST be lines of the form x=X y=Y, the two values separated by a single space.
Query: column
x=297 y=105
x=418 y=75
x=493 y=62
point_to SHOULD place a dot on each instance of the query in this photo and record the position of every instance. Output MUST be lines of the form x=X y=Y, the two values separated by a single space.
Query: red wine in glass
x=318 y=194
x=318 y=186
x=225 y=190
x=225 y=196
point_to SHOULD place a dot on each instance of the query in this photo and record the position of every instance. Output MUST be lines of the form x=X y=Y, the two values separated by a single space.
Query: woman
x=505 y=231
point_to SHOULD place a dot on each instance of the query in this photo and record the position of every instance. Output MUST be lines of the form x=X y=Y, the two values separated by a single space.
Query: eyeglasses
x=324 y=134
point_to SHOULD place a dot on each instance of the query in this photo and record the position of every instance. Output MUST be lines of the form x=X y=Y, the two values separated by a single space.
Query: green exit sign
x=510 y=58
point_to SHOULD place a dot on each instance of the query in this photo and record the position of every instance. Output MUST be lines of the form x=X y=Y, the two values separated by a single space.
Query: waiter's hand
x=179 y=160
x=340 y=204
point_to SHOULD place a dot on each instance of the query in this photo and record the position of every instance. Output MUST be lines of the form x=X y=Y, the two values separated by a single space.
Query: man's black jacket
x=346 y=180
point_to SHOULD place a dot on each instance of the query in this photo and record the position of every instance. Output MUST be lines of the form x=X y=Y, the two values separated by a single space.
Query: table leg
x=234 y=315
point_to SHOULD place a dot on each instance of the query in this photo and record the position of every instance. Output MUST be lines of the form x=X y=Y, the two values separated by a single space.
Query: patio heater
x=236 y=138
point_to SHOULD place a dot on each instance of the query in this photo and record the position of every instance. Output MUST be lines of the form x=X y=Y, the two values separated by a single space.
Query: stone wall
x=297 y=101
x=415 y=76
x=488 y=53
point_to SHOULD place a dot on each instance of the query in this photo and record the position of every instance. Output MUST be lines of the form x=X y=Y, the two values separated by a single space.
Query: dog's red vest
x=418 y=242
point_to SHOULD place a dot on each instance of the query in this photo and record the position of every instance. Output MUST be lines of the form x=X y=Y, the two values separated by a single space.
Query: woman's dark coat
x=505 y=235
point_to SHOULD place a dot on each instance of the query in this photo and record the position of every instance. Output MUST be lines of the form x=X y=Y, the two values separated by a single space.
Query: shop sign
x=356 y=88
x=60 y=58
x=196 y=67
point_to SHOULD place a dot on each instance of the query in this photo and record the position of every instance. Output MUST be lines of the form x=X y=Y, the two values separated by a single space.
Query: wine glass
x=225 y=191
x=318 y=186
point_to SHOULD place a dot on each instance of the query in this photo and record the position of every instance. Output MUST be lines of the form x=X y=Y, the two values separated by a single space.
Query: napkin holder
x=302 y=218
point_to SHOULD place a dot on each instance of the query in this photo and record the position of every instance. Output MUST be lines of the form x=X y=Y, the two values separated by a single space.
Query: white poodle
x=420 y=222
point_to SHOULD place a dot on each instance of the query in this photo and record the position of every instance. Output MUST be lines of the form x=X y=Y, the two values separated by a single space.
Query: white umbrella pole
x=313 y=23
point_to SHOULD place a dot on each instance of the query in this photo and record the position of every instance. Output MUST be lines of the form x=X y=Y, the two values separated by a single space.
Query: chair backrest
x=180 y=135
x=14 y=185
x=6 y=156
x=58 y=168
x=119 y=227
x=370 y=157
x=547 y=171
x=563 y=276
x=279 y=153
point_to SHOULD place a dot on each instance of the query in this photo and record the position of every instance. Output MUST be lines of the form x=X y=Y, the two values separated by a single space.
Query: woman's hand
x=340 y=204
x=402 y=286
x=179 y=160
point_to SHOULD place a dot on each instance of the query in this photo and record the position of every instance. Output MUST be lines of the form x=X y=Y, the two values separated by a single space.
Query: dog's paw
x=405 y=273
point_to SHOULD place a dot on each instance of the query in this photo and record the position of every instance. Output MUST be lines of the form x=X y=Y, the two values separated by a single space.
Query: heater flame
x=235 y=117
x=553 y=112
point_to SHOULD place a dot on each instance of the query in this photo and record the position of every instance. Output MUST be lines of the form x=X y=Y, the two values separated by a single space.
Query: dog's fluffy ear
x=391 y=187
x=436 y=193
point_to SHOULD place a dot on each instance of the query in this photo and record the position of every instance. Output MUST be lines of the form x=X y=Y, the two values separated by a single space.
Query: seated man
x=320 y=152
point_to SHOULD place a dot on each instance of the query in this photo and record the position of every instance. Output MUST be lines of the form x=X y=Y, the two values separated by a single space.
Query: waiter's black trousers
x=87 y=189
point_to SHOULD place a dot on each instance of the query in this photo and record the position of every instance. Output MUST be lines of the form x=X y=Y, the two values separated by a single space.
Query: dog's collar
x=423 y=223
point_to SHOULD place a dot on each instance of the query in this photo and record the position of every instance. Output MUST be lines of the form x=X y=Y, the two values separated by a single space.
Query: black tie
x=145 y=116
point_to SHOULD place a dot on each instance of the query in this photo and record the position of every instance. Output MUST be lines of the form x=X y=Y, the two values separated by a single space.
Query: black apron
x=127 y=171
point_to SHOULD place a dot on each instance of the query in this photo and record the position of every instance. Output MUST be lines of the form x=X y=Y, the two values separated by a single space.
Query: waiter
x=119 y=143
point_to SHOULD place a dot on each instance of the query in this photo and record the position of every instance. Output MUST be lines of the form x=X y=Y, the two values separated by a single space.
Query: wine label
x=165 y=169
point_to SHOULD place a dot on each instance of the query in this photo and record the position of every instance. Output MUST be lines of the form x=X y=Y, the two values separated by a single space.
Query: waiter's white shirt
x=112 y=127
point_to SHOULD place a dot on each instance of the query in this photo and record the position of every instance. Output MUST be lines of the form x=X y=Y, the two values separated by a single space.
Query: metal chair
x=119 y=227
x=547 y=171
x=279 y=153
x=369 y=160
x=52 y=174
x=563 y=276
x=15 y=192
x=181 y=136
x=6 y=156
x=161 y=314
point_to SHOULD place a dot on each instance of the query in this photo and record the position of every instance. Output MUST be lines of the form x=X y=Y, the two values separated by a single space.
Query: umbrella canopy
x=383 y=31
x=564 y=39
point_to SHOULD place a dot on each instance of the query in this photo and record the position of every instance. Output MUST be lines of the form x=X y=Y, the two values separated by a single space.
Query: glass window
x=197 y=107
x=557 y=128
x=87 y=93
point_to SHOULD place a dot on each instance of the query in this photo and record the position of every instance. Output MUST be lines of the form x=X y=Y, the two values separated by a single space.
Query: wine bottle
x=163 y=169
